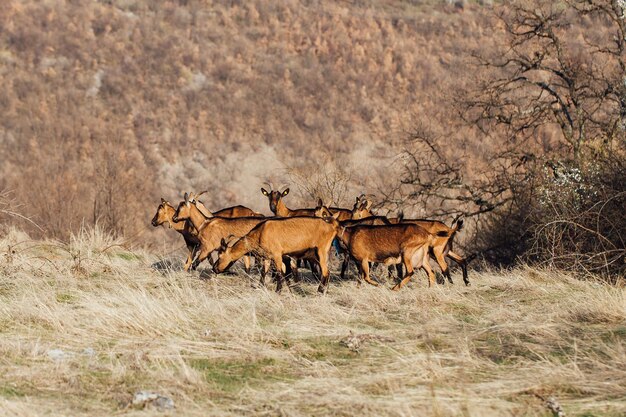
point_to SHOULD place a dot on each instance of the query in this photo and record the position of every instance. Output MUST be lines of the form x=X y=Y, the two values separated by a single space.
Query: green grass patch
x=233 y=375
x=9 y=391
x=617 y=334
x=128 y=256
x=465 y=313
x=434 y=344
x=327 y=349
x=98 y=378
x=65 y=298
x=6 y=288
x=503 y=349
x=491 y=293
x=562 y=353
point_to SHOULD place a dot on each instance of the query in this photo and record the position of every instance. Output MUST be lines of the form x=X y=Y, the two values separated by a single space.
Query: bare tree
x=560 y=69
x=552 y=97
x=327 y=180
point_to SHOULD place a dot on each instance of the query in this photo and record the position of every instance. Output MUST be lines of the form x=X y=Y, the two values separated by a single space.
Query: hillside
x=88 y=324
x=107 y=106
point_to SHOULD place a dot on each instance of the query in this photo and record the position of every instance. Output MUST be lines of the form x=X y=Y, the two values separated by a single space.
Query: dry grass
x=222 y=347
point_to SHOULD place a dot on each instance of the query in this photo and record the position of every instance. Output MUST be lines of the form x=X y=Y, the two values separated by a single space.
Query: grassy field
x=85 y=325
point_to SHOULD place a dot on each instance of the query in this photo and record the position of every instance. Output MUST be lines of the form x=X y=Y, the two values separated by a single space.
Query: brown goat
x=389 y=244
x=237 y=211
x=212 y=230
x=278 y=207
x=442 y=245
x=275 y=238
x=322 y=211
x=361 y=210
x=344 y=213
x=369 y=221
x=234 y=211
x=165 y=213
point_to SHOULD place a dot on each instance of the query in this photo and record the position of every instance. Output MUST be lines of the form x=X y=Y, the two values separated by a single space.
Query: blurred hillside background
x=106 y=106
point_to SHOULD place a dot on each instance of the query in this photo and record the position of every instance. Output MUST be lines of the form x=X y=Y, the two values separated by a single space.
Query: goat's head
x=361 y=208
x=274 y=196
x=224 y=254
x=163 y=214
x=183 y=211
x=322 y=209
x=332 y=219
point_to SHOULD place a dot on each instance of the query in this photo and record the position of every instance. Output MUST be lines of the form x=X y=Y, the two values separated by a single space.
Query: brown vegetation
x=109 y=104
x=549 y=98
x=106 y=105
x=512 y=115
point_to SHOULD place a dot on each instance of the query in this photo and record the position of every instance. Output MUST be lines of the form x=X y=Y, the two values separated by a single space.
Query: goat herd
x=307 y=234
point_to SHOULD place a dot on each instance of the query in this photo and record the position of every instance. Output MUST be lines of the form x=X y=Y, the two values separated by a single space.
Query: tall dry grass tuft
x=82 y=341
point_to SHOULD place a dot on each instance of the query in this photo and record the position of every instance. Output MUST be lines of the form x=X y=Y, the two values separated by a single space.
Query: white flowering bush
x=568 y=185
x=579 y=219
x=622 y=5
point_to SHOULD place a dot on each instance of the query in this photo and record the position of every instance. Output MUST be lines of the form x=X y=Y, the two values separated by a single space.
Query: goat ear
x=336 y=215
x=264 y=191
x=368 y=204
x=320 y=203
x=284 y=193
x=186 y=197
